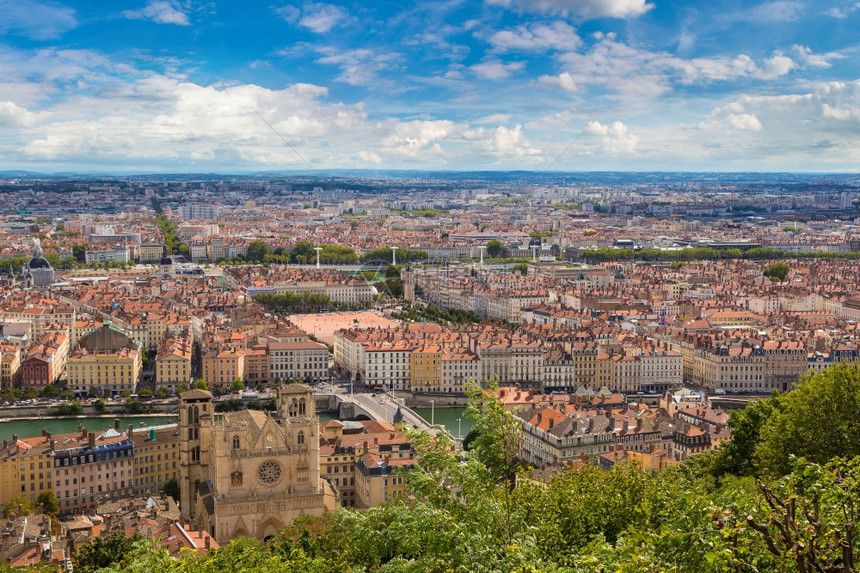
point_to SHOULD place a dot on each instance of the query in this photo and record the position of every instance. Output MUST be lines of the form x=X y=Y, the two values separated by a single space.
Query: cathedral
x=37 y=271
x=250 y=473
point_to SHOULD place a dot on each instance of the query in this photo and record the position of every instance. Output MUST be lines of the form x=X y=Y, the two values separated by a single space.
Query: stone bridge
x=367 y=406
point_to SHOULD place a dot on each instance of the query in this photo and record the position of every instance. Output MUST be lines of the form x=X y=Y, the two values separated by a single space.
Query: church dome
x=38 y=263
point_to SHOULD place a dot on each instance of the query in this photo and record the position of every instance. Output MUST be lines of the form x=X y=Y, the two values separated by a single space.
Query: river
x=447 y=417
x=31 y=428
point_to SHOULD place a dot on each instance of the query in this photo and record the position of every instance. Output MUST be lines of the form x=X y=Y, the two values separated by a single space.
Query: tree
x=104 y=551
x=201 y=385
x=31 y=393
x=817 y=421
x=736 y=456
x=79 y=252
x=522 y=267
x=257 y=250
x=808 y=518
x=392 y=272
x=50 y=391
x=238 y=385
x=182 y=388
x=10 y=394
x=49 y=503
x=100 y=406
x=18 y=505
x=304 y=249
x=171 y=488
x=144 y=393
x=495 y=248
x=777 y=271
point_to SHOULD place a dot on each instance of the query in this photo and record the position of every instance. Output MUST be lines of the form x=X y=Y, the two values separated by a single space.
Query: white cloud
x=843 y=11
x=317 y=17
x=34 y=19
x=616 y=137
x=564 y=81
x=358 y=67
x=416 y=138
x=770 y=12
x=811 y=60
x=581 y=8
x=496 y=70
x=12 y=115
x=639 y=74
x=161 y=12
x=536 y=37
x=775 y=67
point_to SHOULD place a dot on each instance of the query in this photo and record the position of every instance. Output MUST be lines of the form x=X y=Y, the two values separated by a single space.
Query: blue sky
x=190 y=86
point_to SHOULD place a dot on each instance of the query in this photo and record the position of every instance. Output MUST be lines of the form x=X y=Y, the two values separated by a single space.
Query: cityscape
x=489 y=286
x=616 y=319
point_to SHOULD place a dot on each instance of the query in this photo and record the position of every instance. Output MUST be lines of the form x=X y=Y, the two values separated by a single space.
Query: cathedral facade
x=250 y=473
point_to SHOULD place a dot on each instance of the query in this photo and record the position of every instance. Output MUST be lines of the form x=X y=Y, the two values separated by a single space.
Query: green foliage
x=200 y=384
x=104 y=551
x=48 y=501
x=403 y=255
x=737 y=456
x=495 y=248
x=237 y=385
x=392 y=272
x=817 y=421
x=171 y=488
x=145 y=393
x=100 y=406
x=417 y=312
x=50 y=391
x=290 y=302
x=73 y=408
x=257 y=251
x=79 y=252
x=18 y=505
x=777 y=271
x=522 y=267
x=30 y=393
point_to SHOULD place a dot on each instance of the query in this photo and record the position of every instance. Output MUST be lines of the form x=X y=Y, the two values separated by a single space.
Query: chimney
x=207 y=540
x=651 y=449
x=81 y=429
x=130 y=430
x=44 y=432
x=540 y=417
x=92 y=439
x=551 y=423
x=116 y=424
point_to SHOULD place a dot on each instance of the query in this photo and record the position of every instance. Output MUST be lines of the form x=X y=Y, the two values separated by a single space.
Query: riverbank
x=69 y=424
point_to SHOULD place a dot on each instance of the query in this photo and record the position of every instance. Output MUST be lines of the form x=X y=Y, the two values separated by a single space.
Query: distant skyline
x=565 y=85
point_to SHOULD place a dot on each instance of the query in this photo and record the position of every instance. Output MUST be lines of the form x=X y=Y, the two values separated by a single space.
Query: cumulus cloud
x=536 y=37
x=616 y=137
x=642 y=74
x=563 y=81
x=161 y=12
x=36 y=20
x=12 y=115
x=582 y=8
x=416 y=138
x=317 y=17
x=495 y=69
